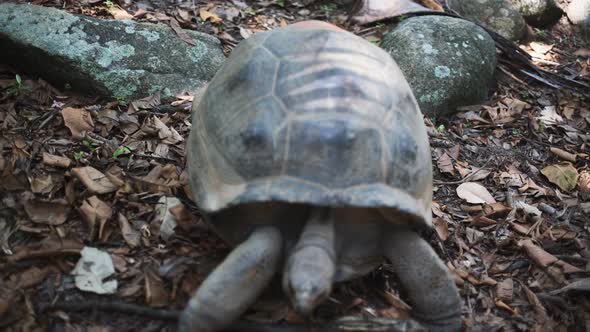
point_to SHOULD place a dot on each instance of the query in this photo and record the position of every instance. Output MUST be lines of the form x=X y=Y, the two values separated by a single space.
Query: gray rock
x=106 y=58
x=538 y=13
x=448 y=62
x=578 y=12
x=499 y=16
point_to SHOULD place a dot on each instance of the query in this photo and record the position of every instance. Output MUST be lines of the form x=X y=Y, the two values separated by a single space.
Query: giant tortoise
x=309 y=154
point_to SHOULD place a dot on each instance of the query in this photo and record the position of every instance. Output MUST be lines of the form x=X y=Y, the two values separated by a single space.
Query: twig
x=115 y=306
x=368 y=324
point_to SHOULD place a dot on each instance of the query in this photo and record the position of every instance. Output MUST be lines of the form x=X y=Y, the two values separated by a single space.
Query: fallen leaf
x=540 y=310
x=442 y=228
x=79 y=121
x=445 y=164
x=119 y=13
x=564 y=175
x=584 y=185
x=44 y=184
x=180 y=32
x=563 y=154
x=544 y=258
x=92 y=269
x=132 y=236
x=209 y=16
x=94 y=180
x=549 y=116
x=50 y=212
x=56 y=161
x=155 y=293
x=474 y=193
x=31 y=277
x=504 y=290
x=94 y=211
x=164 y=215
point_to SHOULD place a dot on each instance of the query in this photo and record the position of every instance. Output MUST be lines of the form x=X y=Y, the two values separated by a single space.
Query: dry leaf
x=181 y=32
x=94 y=211
x=475 y=193
x=209 y=16
x=155 y=293
x=445 y=164
x=536 y=303
x=56 y=161
x=549 y=116
x=442 y=228
x=165 y=216
x=119 y=13
x=132 y=237
x=544 y=258
x=93 y=180
x=79 y=121
x=44 y=184
x=564 y=175
x=504 y=290
x=563 y=154
x=54 y=212
x=584 y=185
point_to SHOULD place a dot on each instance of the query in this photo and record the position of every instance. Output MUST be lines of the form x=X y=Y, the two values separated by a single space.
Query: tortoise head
x=308 y=281
x=311 y=266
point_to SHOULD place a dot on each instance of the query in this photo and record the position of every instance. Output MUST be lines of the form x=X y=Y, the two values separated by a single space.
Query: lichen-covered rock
x=578 y=12
x=499 y=16
x=538 y=13
x=107 y=58
x=449 y=62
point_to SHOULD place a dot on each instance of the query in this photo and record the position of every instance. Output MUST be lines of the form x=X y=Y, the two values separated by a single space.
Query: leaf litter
x=511 y=196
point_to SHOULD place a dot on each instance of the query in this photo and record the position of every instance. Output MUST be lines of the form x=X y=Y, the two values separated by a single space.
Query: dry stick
x=239 y=326
x=465 y=178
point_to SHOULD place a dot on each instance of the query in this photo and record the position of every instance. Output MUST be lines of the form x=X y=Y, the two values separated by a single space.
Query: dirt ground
x=511 y=195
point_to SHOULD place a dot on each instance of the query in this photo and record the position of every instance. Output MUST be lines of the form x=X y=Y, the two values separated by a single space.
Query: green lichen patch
x=114 y=58
x=451 y=64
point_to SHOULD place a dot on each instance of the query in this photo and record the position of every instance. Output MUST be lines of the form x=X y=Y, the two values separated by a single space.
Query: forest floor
x=511 y=196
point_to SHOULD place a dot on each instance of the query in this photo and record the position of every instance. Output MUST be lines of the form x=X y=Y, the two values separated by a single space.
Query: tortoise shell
x=310 y=114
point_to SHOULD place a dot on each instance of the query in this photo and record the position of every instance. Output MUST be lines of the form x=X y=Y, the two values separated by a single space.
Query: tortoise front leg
x=235 y=284
x=435 y=299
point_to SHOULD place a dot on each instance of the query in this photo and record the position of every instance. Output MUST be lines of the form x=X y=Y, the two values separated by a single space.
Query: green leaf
x=122 y=150
x=79 y=155
x=19 y=80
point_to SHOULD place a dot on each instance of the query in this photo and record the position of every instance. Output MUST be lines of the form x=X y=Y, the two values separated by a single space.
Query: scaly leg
x=434 y=297
x=235 y=284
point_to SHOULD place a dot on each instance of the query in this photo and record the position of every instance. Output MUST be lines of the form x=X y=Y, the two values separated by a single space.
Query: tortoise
x=308 y=153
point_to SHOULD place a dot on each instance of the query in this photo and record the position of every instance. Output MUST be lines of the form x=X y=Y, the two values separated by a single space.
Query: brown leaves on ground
x=95 y=181
x=113 y=176
x=79 y=121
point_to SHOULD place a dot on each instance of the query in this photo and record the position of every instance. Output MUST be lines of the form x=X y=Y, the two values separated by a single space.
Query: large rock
x=578 y=12
x=538 y=13
x=108 y=58
x=449 y=62
x=499 y=16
